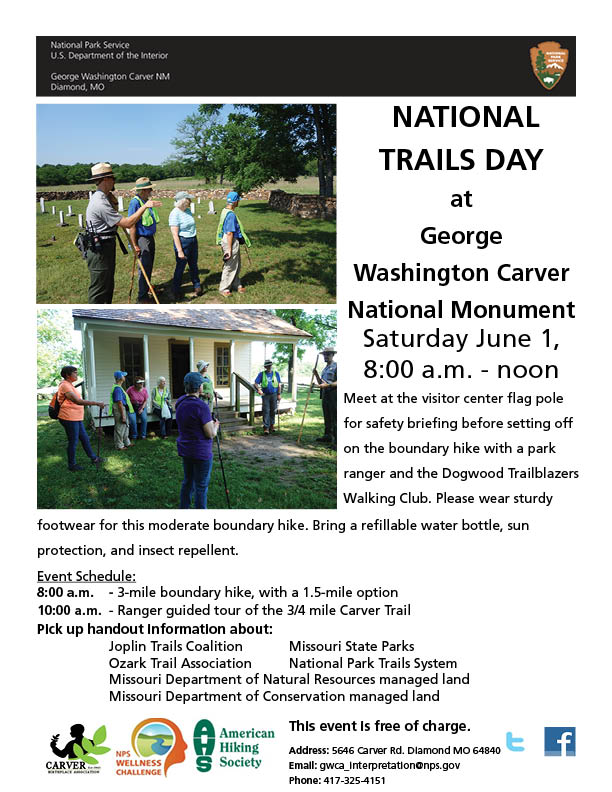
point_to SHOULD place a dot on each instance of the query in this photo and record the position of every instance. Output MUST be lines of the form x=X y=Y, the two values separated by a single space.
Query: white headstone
x=61 y=222
x=90 y=194
x=69 y=211
x=198 y=199
x=80 y=221
x=121 y=203
x=192 y=207
x=53 y=210
x=42 y=205
x=211 y=208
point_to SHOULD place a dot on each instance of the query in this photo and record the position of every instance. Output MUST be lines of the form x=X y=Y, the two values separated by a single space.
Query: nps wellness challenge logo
x=549 y=62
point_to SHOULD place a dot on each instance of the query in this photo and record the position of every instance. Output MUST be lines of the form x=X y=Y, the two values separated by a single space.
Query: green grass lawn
x=149 y=475
x=305 y=185
x=293 y=260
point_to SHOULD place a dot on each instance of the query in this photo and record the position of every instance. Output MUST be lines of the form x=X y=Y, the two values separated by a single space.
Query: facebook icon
x=559 y=741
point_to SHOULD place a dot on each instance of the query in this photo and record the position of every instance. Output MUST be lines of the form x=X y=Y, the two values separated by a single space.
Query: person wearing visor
x=329 y=396
x=208 y=390
x=122 y=407
x=183 y=229
x=230 y=235
x=103 y=220
x=138 y=395
x=142 y=234
x=269 y=387
x=197 y=430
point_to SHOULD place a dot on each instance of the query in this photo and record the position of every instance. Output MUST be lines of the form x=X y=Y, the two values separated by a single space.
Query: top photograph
x=174 y=203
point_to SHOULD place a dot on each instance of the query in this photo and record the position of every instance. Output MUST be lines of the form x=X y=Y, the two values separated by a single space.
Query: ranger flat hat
x=330 y=350
x=143 y=183
x=100 y=171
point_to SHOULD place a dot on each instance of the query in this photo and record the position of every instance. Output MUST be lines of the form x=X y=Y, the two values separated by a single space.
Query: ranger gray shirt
x=101 y=215
x=330 y=372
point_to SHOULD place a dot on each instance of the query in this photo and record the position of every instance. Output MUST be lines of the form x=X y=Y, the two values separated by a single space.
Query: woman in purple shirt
x=196 y=429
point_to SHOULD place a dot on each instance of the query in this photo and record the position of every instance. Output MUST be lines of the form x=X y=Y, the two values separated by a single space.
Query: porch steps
x=231 y=421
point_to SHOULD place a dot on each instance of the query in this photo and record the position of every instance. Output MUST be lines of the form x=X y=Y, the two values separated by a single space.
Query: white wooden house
x=152 y=343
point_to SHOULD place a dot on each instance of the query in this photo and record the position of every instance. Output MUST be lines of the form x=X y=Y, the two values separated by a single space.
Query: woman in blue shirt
x=183 y=228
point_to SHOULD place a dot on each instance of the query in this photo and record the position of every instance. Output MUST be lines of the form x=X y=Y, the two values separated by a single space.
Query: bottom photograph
x=187 y=408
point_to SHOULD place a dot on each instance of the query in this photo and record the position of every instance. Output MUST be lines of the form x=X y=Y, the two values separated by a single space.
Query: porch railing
x=238 y=382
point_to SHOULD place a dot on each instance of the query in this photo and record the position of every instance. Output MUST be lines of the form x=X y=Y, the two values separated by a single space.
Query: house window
x=222 y=365
x=132 y=358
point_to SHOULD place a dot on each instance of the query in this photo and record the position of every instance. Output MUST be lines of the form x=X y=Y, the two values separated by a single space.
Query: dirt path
x=258 y=446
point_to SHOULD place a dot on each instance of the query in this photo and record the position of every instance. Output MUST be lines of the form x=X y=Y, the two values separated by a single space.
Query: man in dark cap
x=269 y=387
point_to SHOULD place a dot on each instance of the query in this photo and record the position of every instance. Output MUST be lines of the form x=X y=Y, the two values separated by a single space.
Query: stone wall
x=303 y=205
x=204 y=195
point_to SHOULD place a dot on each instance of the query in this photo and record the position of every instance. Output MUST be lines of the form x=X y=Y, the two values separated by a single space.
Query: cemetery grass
x=149 y=475
x=293 y=260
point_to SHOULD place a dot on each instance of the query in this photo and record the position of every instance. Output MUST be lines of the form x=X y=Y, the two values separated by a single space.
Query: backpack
x=54 y=407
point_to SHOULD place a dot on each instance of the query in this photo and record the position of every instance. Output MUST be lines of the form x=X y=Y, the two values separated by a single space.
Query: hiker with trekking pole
x=197 y=428
x=102 y=223
x=231 y=235
x=142 y=237
x=68 y=406
x=327 y=382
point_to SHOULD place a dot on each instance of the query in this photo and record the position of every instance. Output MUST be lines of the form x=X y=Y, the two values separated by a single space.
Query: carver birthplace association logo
x=549 y=62
x=79 y=754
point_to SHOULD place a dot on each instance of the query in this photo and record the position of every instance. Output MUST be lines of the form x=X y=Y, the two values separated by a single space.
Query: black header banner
x=302 y=66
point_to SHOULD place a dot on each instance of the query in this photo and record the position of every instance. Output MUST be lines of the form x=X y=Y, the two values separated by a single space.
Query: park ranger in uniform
x=329 y=396
x=103 y=220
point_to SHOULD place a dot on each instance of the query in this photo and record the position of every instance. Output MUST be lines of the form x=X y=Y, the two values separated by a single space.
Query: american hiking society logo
x=204 y=744
x=549 y=63
x=79 y=754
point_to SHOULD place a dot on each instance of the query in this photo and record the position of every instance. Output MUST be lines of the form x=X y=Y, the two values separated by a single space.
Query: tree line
x=255 y=145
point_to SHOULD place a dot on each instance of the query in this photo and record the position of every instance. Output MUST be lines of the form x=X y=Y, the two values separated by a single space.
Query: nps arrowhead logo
x=549 y=62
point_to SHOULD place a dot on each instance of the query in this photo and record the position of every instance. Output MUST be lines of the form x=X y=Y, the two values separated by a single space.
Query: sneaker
x=198 y=291
x=98 y=461
x=75 y=468
x=266 y=431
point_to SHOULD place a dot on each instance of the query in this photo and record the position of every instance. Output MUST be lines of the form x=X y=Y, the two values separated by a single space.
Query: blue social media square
x=560 y=741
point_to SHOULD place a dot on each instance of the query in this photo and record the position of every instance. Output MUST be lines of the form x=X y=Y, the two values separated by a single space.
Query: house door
x=222 y=365
x=179 y=366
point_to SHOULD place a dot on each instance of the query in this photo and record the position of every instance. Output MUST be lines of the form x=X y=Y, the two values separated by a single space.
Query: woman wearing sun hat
x=230 y=235
x=142 y=233
x=183 y=228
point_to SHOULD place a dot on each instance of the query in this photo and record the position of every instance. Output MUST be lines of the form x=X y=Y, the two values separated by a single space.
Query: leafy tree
x=291 y=135
x=237 y=153
x=321 y=326
x=54 y=346
x=195 y=140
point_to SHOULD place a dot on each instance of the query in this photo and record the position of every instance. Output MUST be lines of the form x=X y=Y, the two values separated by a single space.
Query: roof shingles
x=248 y=320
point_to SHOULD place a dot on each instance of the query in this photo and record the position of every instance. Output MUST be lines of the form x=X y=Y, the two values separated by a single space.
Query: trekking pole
x=99 y=430
x=223 y=470
x=308 y=399
x=217 y=412
x=132 y=281
x=142 y=269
